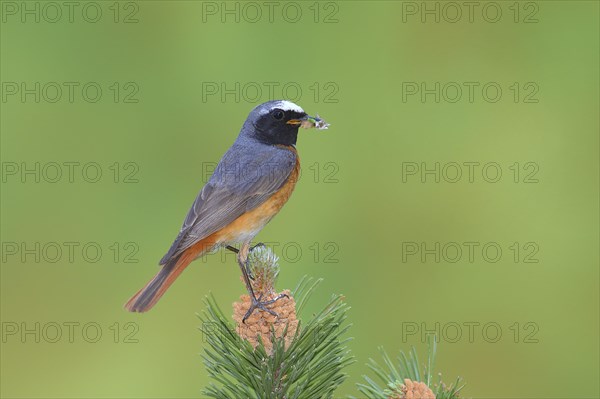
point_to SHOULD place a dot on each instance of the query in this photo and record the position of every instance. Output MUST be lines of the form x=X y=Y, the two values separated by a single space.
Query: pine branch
x=404 y=378
x=287 y=361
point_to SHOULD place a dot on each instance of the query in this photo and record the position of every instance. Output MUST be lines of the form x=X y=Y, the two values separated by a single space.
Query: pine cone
x=411 y=390
x=260 y=322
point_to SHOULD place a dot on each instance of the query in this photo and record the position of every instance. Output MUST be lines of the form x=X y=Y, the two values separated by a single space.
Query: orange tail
x=147 y=297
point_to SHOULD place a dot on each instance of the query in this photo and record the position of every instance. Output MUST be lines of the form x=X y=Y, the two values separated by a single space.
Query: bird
x=249 y=186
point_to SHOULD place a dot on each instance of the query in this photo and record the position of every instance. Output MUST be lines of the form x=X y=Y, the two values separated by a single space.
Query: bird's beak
x=308 y=122
x=298 y=121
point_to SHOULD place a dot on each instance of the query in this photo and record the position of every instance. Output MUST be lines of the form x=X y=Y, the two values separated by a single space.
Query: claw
x=258 y=245
x=257 y=304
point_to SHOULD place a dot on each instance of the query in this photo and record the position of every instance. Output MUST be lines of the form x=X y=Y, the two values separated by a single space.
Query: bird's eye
x=278 y=114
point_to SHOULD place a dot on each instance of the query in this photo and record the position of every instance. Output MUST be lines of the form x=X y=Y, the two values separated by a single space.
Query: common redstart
x=249 y=186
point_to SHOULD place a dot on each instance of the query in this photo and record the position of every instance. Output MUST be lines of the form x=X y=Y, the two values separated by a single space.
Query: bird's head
x=275 y=122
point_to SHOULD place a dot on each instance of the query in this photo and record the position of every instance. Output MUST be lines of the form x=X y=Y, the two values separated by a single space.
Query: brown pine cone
x=412 y=390
x=260 y=322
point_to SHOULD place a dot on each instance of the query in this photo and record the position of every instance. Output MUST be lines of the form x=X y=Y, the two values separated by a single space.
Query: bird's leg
x=232 y=249
x=257 y=303
x=252 y=248
x=237 y=251
x=242 y=258
x=258 y=245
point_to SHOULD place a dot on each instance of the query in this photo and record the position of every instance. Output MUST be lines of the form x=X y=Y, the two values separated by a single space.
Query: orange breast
x=249 y=224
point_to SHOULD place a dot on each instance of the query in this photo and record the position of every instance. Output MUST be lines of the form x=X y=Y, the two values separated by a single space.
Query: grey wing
x=243 y=179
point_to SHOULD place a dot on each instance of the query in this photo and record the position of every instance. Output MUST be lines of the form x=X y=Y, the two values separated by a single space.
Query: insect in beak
x=309 y=122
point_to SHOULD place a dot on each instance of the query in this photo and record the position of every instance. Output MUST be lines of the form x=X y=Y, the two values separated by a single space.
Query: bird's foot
x=258 y=245
x=246 y=264
x=258 y=304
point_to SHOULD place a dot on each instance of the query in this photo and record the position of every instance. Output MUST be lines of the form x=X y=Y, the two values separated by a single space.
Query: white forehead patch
x=282 y=105
x=289 y=106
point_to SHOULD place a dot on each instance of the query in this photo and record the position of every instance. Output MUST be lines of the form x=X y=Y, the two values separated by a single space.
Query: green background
x=358 y=202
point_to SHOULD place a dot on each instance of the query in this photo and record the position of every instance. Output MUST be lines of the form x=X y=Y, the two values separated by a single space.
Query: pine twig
x=287 y=361
x=405 y=378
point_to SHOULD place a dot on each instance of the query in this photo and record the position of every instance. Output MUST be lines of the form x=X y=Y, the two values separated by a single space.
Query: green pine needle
x=392 y=375
x=311 y=368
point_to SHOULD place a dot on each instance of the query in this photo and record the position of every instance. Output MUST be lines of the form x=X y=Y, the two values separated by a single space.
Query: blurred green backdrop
x=355 y=63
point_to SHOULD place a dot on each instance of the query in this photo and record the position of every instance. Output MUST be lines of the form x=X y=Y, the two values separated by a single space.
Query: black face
x=273 y=127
